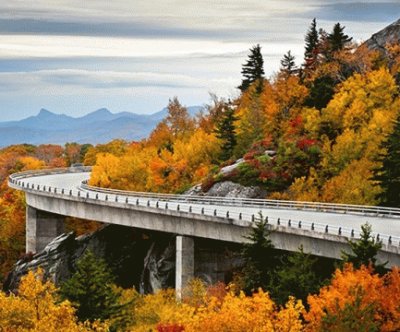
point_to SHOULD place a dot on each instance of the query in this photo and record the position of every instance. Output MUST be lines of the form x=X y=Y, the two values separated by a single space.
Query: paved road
x=385 y=226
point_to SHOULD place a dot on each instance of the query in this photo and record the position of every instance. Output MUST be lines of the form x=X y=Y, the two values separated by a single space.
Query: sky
x=74 y=56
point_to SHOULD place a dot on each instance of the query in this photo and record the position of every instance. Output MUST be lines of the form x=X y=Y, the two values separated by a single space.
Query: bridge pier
x=184 y=268
x=41 y=228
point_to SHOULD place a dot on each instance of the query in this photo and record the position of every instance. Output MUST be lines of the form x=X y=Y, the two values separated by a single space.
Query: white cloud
x=80 y=46
x=82 y=82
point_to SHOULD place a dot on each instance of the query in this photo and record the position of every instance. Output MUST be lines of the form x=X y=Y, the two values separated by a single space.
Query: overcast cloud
x=76 y=56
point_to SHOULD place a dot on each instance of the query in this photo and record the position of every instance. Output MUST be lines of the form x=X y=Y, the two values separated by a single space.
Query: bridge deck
x=383 y=225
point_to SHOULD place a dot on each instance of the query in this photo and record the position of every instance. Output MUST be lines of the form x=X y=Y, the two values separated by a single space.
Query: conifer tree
x=259 y=256
x=295 y=277
x=389 y=173
x=90 y=289
x=337 y=38
x=288 y=64
x=253 y=70
x=364 y=250
x=312 y=44
x=225 y=131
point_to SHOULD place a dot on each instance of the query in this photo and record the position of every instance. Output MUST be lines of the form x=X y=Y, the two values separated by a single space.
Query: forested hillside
x=323 y=124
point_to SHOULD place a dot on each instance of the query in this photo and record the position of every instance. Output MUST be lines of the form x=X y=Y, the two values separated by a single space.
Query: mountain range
x=100 y=126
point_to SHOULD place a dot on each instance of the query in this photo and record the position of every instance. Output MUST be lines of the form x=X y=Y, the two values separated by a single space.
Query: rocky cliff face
x=145 y=260
x=388 y=35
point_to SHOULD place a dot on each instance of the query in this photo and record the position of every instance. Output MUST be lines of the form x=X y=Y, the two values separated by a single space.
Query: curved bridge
x=323 y=229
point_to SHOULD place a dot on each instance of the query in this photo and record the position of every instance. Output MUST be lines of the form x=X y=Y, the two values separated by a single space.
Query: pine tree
x=253 y=70
x=225 y=131
x=90 y=289
x=288 y=64
x=295 y=277
x=389 y=173
x=259 y=256
x=364 y=250
x=312 y=44
x=337 y=38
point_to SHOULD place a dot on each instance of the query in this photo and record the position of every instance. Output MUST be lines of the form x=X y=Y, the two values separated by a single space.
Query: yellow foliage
x=105 y=171
x=353 y=185
x=31 y=163
x=359 y=96
x=37 y=308
x=160 y=307
x=305 y=188
x=239 y=313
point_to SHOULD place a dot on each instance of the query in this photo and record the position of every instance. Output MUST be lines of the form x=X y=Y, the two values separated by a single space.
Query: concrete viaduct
x=323 y=229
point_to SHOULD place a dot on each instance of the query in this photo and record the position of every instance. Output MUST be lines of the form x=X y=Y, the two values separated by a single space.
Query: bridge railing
x=193 y=207
x=230 y=201
x=48 y=171
x=257 y=203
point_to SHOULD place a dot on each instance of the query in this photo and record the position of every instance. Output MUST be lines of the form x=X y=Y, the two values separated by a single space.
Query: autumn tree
x=251 y=120
x=364 y=250
x=226 y=132
x=37 y=307
x=211 y=115
x=178 y=119
x=253 y=70
x=91 y=290
x=356 y=300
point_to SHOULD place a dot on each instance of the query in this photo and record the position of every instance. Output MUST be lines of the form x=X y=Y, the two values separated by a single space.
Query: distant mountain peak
x=44 y=112
x=101 y=111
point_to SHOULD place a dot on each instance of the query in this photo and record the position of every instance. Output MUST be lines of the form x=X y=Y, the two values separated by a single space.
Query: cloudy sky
x=74 y=56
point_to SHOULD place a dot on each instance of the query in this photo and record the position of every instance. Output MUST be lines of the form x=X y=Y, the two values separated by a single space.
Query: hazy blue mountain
x=100 y=126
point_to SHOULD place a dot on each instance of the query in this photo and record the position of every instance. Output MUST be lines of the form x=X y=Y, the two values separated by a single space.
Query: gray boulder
x=231 y=189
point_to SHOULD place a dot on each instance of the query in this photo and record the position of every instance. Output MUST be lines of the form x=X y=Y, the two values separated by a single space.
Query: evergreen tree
x=312 y=44
x=337 y=38
x=295 y=277
x=253 y=70
x=90 y=290
x=321 y=92
x=389 y=173
x=259 y=256
x=288 y=64
x=225 y=131
x=364 y=250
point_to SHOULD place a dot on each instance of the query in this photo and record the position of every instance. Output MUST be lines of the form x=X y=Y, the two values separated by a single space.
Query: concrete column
x=184 y=268
x=41 y=228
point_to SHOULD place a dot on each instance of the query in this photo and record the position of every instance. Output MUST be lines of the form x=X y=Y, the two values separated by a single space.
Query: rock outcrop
x=388 y=35
x=231 y=189
x=143 y=260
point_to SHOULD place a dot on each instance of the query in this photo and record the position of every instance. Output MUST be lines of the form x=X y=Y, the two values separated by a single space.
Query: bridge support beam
x=184 y=268
x=41 y=228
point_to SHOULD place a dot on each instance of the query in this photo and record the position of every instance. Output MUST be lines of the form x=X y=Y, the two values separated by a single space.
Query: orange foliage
x=350 y=285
